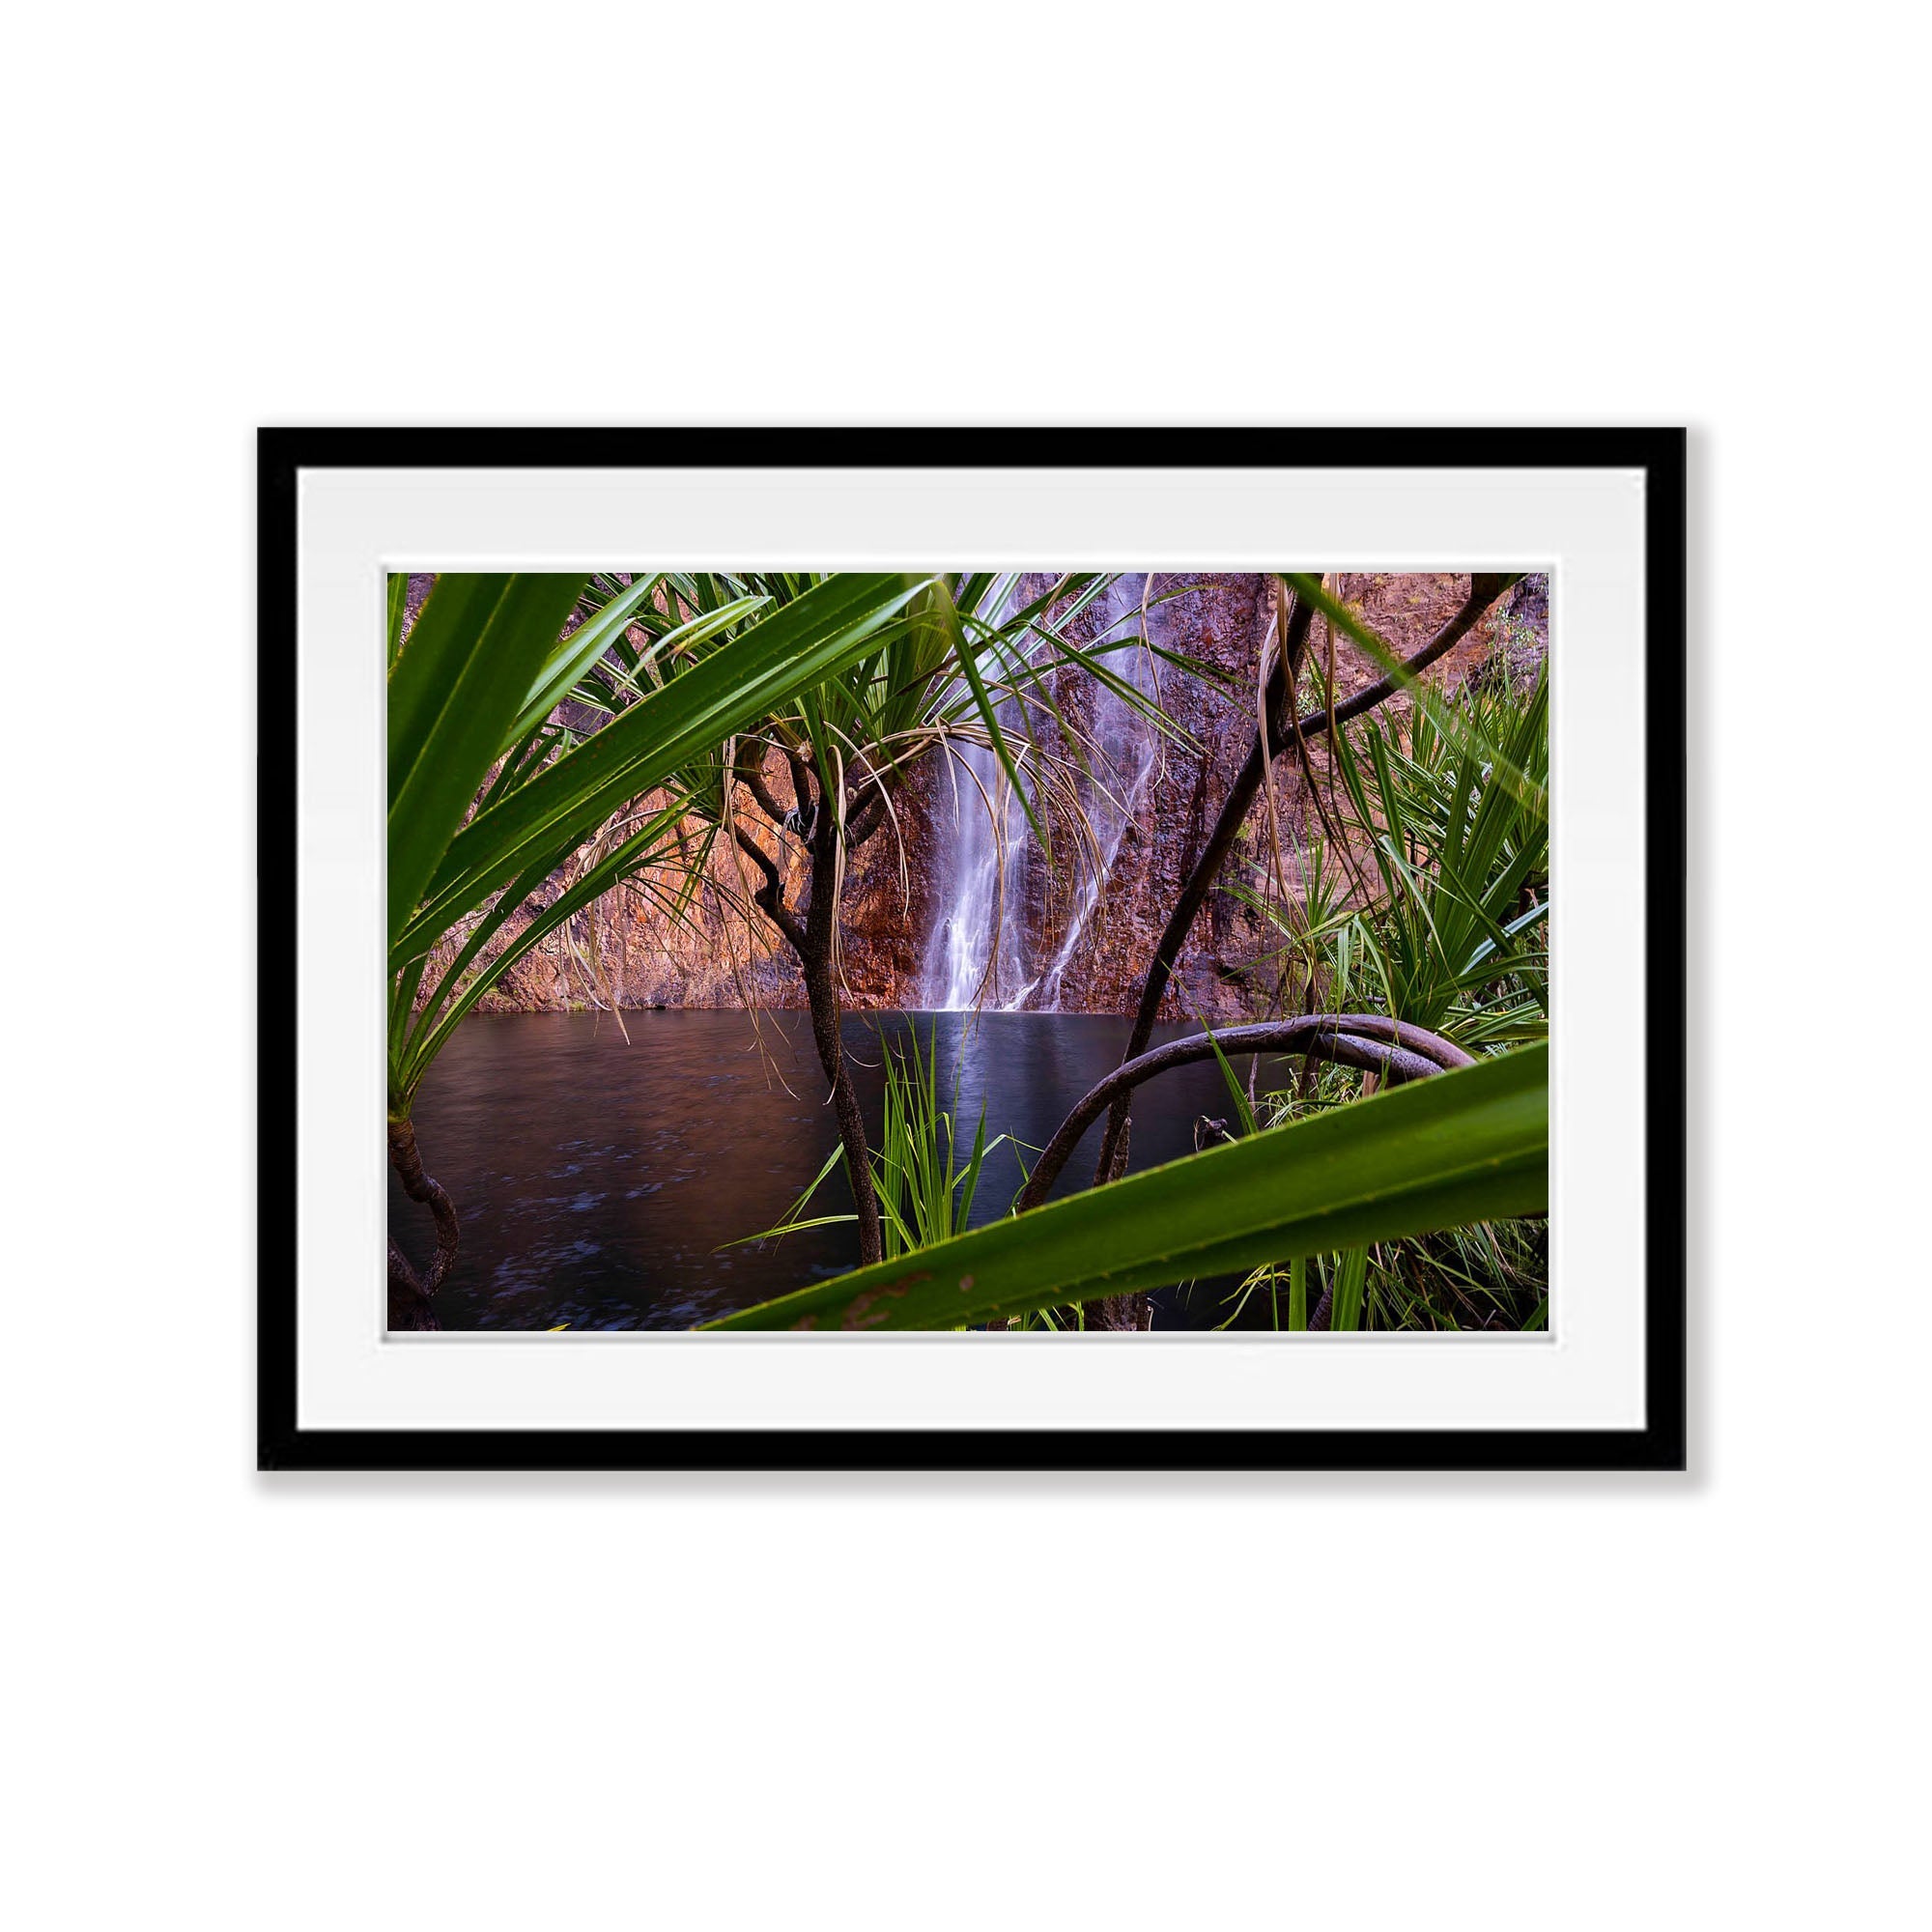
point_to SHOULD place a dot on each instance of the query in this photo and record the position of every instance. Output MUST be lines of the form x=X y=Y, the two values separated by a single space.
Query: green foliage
x=455 y=688
x=704 y=698
x=520 y=760
x=1452 y=936
x=1422 y=694
x=1463 y=1146
x=926 y=1194
x=1456 y=942
x=974 y=665
x=1447 y=926
x=481 y=660
x=857 y=674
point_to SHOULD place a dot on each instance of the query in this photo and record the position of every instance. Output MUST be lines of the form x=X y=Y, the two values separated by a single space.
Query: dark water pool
x=595 y=1181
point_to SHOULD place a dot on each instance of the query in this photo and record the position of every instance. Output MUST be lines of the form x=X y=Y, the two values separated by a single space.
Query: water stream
x=977 y=956
x=1124 y=750
x=981 y=952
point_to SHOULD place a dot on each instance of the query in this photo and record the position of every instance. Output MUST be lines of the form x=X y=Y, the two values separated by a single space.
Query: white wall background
x=236 y=1702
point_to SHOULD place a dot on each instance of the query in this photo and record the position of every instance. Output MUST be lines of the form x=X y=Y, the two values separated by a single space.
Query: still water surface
x=596 y=1183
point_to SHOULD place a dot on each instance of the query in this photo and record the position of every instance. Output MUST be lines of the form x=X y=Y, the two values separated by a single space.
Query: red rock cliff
x=630 y=949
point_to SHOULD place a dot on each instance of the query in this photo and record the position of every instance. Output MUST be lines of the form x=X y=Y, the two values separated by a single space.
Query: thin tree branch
x=801 y=790
x=1485 y=587
x=1392 y=1049
x=769 y=897
x=861 y=825
x=753 y=782
x=1206 y=869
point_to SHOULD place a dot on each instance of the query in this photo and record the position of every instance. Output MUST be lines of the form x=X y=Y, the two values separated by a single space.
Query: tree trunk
x=411 y=1294
x=1485 y=587
x=410 y=1305
x=821 y=992
x=1283 y=729
x=1200 y=882
x=1124 y=1314
x=814 y=941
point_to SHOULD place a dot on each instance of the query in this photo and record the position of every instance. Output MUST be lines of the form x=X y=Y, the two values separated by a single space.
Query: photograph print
x=1071 y=954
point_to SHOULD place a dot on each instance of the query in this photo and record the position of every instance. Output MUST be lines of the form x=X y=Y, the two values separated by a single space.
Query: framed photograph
x=972 y=949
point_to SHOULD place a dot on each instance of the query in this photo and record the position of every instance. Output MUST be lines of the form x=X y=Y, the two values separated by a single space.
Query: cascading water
x=975 y=957
x=976 y=945
x=977 y=953
x=1124 y=747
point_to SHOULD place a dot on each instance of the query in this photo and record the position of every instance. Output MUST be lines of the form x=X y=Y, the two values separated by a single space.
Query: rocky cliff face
x=1097 y=921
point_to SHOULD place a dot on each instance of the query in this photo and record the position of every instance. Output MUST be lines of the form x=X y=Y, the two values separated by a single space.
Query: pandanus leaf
x=1463 y=1146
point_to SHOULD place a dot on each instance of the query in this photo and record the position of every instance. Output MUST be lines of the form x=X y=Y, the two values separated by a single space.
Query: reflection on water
x=595 y=1181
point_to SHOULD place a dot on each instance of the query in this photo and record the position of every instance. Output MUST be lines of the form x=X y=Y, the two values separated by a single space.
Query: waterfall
x=977 y=941
x=1124 y=748
x=979 y=938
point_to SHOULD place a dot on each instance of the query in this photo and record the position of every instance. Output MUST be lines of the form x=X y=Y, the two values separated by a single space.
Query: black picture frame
x=1660 y=1444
